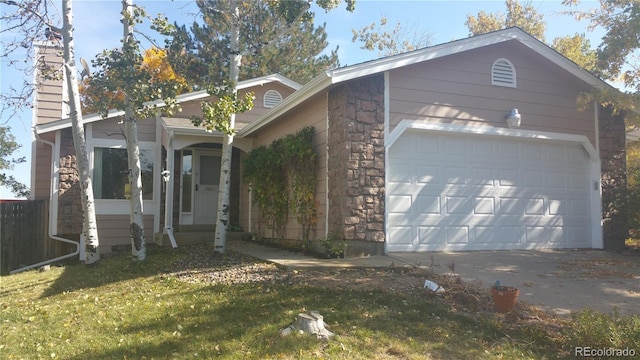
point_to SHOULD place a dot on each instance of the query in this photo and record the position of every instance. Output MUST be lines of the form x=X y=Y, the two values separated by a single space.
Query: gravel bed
x=203 y=266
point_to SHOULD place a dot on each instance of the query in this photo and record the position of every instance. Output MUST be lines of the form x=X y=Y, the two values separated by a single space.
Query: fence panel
x=23 y=234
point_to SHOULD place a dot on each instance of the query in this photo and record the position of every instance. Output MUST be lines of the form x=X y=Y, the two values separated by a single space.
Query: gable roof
x=339 y=75
x=196 y=95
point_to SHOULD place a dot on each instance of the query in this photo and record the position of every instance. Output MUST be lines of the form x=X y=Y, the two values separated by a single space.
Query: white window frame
x=122 y=206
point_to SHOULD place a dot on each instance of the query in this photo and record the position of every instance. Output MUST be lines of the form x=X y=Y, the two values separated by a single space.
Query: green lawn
x=123 y=310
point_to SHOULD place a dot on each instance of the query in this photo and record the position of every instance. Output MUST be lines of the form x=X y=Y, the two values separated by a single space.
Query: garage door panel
x=428 y=175
x=399 y=204
x=482 y=177
x=487 y=193
x=456 y=175
x=401 y=237
x=428 y=204
x=497 y=234
x=455 y=147
x=534 y=179
x=457 y=205
x=431 y=236
x=484 y=205
x=457 y=234
x=509 y=178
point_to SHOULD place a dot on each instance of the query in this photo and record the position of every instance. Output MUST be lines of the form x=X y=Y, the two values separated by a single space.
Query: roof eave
x=313 y=87
x=192 y=96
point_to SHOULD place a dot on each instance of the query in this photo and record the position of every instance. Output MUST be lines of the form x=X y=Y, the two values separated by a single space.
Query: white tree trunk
x=222 y=221
x=136 y=228
x=90 y=228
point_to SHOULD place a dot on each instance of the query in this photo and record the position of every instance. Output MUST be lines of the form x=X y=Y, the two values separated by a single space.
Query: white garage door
x=450 y=191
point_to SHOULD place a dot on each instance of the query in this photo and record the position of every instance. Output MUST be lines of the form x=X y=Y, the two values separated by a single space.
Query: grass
x=125 y=310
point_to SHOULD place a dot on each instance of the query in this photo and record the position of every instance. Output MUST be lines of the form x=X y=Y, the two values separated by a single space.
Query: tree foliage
x=633 y=186
x=522 y=15
x=29 y=23
x=216 y=114
x=282 y=177
x=8 y=146
x=270 y=31
x=618 y=56
x=389 y=41
x=578 y=49
x=154 y=64
x=132 y=75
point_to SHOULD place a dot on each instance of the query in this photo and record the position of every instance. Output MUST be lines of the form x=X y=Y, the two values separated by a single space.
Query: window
x=187 y=178
x=503 y=73
x=110 y=174
x=272 y=98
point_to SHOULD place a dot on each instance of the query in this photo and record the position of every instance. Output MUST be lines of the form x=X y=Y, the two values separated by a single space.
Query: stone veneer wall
x=356 y=165
x=69 y=195
x=615 y=226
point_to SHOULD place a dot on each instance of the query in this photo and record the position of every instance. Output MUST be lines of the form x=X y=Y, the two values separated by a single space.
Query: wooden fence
x=23 y=234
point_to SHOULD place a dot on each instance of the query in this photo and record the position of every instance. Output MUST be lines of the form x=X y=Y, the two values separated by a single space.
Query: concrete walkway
x=559 y=281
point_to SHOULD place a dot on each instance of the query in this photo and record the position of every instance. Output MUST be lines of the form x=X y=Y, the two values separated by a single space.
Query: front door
x=206 y=181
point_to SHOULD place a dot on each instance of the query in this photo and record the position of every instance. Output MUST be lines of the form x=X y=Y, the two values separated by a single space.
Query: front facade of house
x=415 y=154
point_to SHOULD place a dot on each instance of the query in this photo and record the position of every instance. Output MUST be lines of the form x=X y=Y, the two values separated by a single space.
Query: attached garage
x=481 y=188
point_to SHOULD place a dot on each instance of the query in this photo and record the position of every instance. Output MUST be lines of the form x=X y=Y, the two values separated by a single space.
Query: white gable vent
x=272 y=98
x=503 y=73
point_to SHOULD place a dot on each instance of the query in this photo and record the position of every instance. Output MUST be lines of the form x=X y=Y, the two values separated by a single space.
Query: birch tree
x=32 y=17
x=124 y=82
x=136 y=228
x=235 y=14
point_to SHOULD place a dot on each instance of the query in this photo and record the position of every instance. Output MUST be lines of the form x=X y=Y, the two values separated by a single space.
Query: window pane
x=146 y=167
x=110 y=170
x=109 y=173
x=187 y=177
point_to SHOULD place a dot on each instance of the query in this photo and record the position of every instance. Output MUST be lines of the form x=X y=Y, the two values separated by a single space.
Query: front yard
x=187 y=304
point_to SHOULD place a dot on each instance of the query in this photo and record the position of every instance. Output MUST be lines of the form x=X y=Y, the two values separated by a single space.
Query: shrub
x=602 y=330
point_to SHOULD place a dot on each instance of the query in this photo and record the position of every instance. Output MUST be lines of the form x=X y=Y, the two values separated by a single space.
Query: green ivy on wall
x=283 y=177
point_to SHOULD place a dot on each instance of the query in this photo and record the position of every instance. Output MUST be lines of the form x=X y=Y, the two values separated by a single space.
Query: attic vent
x=272 y=98
x=503 y=73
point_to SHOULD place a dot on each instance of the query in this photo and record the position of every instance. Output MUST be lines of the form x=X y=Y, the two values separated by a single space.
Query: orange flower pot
x=504 y=298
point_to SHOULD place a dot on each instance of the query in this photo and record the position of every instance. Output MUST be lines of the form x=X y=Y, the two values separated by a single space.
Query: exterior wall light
x=514 y=119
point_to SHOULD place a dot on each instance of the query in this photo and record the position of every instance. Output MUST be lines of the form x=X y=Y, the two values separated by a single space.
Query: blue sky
x=97 y=27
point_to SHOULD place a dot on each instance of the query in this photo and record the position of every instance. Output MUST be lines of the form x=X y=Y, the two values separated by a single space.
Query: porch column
x=168 y=201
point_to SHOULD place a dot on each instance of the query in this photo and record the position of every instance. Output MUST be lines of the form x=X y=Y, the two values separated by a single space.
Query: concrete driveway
x=560 y=281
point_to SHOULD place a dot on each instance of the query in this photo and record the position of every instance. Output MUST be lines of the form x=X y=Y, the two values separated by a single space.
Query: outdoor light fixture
x=514 y=119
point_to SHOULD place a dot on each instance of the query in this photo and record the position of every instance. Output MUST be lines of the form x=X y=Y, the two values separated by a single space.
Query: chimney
x=50 y=96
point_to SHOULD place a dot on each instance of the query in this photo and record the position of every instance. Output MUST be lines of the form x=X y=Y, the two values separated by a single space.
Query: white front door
x=206 y=181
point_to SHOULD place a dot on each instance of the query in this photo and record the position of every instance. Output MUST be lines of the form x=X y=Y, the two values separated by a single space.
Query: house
x=475 y=144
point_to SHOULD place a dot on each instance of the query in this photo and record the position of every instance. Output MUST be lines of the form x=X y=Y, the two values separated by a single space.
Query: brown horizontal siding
x=114 y=230
x=458 y=88
x=193 y=108
x=49 y=91
x=110 y=129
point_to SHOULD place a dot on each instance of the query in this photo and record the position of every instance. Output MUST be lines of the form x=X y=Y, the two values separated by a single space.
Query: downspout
x=250 y=208
x=54 y=170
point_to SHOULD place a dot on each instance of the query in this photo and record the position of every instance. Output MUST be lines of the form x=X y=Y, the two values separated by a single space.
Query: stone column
x=356 y=165
x=69 y=196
